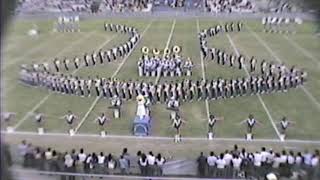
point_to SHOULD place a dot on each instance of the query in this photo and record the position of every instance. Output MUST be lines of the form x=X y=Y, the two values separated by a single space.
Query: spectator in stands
x=143 y=163
x=221 y=164
x=151 y=163
x=160 y=162
x=101 y=163
x=124 y=165
x=81 y=158
x=211 y=160
x=218 y=6
x=112 y=164
x=202 y=162
x=22 y=150
x=236 y=166
x=48 y=158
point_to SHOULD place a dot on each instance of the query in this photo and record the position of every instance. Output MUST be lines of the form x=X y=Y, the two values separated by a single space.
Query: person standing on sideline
x=211 y=160
x=202 y=162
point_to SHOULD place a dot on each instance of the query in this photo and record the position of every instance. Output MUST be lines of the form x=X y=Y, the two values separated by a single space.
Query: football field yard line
x=259 y=97
x=113 y=75
x=167 y=46
x=262 y=42
x=164 y=138
x=39 y=46
x=47 y=96
x=301 y=49
x=203 y=73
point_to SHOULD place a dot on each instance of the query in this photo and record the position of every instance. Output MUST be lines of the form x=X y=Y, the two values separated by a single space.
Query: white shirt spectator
x=160 y=162
x=211 y=160
x=151 y=159
x=298 y=160
x=283 y=158
x=22 y=149
x=264 y=156
x=291 y=160
x=227 y=158
x=101 y=159
x=276 y=162
x=236 y=163
x=315 y=161
x=307 y=158
x=82 y=157
x=221 y=163
x=270 y=158
x=48 y=154
x=257 y=159
x=68 y=161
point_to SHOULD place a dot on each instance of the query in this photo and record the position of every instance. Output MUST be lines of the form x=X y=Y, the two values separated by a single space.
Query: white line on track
x=47 y=96
x=259 y=97
x=29 y=172
x=308 y=93
x=167 y=46
x=113 y=75
x=39 y=46
x=203 y=73
x=152 y=138
x=304 y=51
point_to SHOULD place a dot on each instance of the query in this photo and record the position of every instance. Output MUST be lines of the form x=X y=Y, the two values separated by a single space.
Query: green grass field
x=300 y=105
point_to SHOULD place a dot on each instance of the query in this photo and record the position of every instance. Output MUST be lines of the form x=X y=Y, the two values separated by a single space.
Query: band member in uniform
x=101 y=56
x=239 y=26
x=39 y=118
x=284 y=124
x=251 y=122
x=86 y=59
x=176 y=123
x=173 y=106
x=66 y=64
x=70 y=118
x=241 y=61
x=6 y=117
x=76 y=62
x=212 y=120
x=253 y=62
x=116 y=106
x=57 y=64
x=102 y=119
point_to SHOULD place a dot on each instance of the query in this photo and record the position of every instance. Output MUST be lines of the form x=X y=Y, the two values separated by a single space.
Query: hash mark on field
x=259 y=97
x=46 y=97
x=203 y=74
x=113 y=75
x=304 y=51
x=167 y=46
x=308 y=93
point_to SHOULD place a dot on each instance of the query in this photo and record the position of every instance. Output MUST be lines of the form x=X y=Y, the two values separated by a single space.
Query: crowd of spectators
x=54 y=5
x=229 y=6
x=89 y=6
x=234 y=163
x=126 y=5
x=239 y=163
x=48 y=159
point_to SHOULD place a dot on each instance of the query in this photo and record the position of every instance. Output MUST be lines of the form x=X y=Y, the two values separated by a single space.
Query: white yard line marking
x=167 y=46
x=39 y=46
x=259 y=97
x=304 y=51
x=203 y=73
x=308 y=93
x=46 y=97
x=113 y=75
x=152 y=138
